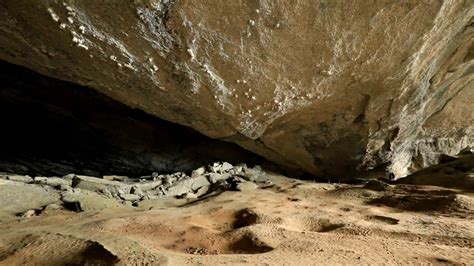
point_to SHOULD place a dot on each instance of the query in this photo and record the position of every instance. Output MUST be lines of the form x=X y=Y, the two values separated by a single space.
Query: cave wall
x=54 y=127
x=326 y=86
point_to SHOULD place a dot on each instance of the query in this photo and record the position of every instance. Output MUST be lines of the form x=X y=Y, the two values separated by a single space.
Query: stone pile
x=204 y=180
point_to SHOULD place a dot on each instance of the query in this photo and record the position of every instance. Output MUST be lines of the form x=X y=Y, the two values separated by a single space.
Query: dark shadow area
x=427 y=200
x=52 y=127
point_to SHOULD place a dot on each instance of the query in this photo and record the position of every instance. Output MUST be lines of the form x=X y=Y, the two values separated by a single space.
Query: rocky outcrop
x=325 y=86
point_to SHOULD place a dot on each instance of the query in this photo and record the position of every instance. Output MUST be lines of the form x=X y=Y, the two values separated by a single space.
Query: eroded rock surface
x=24 y=196
x=325 y=86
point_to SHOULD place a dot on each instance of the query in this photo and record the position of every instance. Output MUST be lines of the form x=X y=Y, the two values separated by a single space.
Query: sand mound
x=53 y=249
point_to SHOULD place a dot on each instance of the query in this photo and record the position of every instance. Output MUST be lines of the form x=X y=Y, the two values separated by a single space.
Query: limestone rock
x=246 y=186
x=99 y=185
x=115 y=178
x=16 y=197
x=188 y=185
x=88 y=201
x=29 y=214
x=20 y=178
x=149 y=185
x=324 y=86
x=129 y=197
x=215 y=177
x=53 y=181
x=198 y=172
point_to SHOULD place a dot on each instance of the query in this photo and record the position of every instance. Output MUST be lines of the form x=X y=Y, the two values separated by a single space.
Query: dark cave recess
x=53 y=127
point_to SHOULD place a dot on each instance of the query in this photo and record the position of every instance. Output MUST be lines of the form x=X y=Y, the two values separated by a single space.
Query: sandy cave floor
x=291 y=222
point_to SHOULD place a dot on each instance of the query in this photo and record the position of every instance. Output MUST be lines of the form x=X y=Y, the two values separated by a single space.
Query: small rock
x=246 y=186
x=198 y=172
x=377 y=185
x=215 y=167
x=129 y=197
x=226 y=167
x=29 y=214
x=238 y=169
x=20 y=178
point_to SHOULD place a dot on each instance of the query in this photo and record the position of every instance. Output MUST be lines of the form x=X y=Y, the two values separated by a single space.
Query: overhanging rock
x=324 y=86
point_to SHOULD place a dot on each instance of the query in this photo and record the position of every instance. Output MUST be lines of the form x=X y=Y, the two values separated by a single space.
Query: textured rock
x=246 y=186
x=20 y=178
x=188 y=185
x=53 y=181
x=20 y=197
x=458 y=173
x=325 y=86
x=100 y=185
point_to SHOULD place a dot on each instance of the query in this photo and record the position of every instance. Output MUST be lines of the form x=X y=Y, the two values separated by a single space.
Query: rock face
x=324 y=86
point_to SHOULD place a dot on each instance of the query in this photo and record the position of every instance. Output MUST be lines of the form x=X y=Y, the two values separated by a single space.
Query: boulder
x=188 y=185
x=324 y=86
x=53 y=181
x=99 y=185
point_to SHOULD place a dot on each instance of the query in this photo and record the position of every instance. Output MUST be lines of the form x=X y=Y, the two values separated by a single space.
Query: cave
x=178 y=132
x=53 y=127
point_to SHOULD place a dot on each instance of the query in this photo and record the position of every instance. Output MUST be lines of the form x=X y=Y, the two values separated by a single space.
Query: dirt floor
x=289 y=222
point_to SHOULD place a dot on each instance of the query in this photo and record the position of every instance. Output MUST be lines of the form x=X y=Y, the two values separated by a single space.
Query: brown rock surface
x=325 y=86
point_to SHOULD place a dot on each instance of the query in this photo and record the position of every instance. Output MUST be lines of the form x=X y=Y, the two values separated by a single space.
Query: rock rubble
x=79 y=192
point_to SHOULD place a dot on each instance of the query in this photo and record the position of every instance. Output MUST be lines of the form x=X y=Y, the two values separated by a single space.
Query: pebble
x=29 y=214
